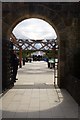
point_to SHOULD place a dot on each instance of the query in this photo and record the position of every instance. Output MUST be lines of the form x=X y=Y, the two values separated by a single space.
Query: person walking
x=15 y=63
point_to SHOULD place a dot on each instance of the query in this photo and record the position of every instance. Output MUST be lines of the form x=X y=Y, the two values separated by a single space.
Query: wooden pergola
x=31 y=44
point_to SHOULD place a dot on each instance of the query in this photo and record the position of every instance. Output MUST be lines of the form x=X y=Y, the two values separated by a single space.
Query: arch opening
x=33 y=35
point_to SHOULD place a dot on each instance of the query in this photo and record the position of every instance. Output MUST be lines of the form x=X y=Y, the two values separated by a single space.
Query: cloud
x=34 y=29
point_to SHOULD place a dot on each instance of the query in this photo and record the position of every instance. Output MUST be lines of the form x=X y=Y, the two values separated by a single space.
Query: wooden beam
x=20 y=57
x=14 y=40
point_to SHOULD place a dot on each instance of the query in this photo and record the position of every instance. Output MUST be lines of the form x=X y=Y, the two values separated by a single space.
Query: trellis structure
x=29 y=44
x=35 y=45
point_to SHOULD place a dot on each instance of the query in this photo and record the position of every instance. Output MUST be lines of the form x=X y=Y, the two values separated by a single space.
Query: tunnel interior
x=64 y=17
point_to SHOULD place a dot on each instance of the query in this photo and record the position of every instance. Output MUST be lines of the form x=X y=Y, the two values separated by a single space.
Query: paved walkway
x=34 y=95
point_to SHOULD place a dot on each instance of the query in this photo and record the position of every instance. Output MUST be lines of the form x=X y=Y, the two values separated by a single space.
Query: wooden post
x=54 y=49
x=20 y=57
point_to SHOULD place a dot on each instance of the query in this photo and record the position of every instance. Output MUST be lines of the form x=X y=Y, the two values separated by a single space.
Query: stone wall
x=72 y=58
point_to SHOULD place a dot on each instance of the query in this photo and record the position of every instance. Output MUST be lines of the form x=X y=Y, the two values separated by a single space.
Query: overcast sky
x=34 y=29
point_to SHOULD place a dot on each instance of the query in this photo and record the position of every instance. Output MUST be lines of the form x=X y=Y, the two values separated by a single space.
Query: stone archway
x=39 y=11
x=64 y=19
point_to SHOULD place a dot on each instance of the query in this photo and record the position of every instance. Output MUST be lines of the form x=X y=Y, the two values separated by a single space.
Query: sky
x=34 y=28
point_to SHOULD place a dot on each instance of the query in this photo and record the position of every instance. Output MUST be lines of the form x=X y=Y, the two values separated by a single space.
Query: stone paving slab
x=34 y=95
